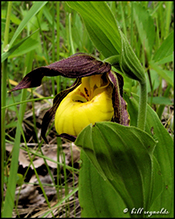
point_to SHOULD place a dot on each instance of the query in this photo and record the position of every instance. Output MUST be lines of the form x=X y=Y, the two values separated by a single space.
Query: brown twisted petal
x=125 y=118
x=121 y=115
x=76 y=66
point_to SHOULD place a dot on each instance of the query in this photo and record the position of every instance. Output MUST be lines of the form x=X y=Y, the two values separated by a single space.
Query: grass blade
x=34 y=9
x=14 y=48
x=3 y=99
x=11 y=186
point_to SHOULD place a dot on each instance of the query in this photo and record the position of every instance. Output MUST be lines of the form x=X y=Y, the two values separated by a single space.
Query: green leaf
x=118 y=152
x=20 y=179
x=108 y=39
x=14 y=19
x=160 y=100
x=165 y=52
x=93 y=187
x=167 y=75
x=145 y=26
x=27 y=46
x=11 y=186
x=101 y=26
x=32 y=12
x=155 y=79
x=163 y=153
x=5 y=55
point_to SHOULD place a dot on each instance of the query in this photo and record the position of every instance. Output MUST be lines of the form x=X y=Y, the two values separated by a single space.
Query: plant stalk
x=141 y=121
x=3 y=99
x=58 y=43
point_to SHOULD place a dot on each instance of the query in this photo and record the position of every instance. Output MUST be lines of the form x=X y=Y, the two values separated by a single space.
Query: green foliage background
x=39 y=33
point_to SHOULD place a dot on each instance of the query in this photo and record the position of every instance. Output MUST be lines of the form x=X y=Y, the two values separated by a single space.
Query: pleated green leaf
x=129 y=63
x=101 y=25
x=163 y=154
x=93 y=187
x=123 y=157
x=108 y=38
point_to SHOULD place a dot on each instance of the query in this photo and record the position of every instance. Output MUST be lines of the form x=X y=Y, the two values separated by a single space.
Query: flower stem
x=141 y=121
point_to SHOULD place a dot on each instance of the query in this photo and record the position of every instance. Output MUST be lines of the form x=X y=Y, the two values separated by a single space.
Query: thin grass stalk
x=31 y=12
x=28 y=64
x=58 y=42
x=3 y=103
x=53 y=86
x=9 y=137
x=67 y=42
x=66 y=184
x=152 y=95
x=168 y=17
x=6 y=34
x=71 y=43
x=58 y=167
x=132 y=20
x=44 y=43
x=67 y=28
x=142 y=106
x=29 y=59
x=39 y=181
x=61 y=187
x=159 y=90
x=161 y=21
x=70 y=36
x=60 y=202
x=42 y=153
x=48 y=169
x=161 y=107
x=3 y=99
x=45 y=50
x=53 y=45
x=72 y=162
x=34 y=117
x=123 y=18
x=47 y=158
x=53 y=32
x=11 y=186
x=157 y=5
x=157 y=32
x=26 y=101
x=58 y=80
x=31 y=160
x=42 y=188
x=16 y=110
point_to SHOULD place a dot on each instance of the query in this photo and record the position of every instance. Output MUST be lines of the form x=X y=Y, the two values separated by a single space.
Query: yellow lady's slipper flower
x=90 y=102
x=95 y=96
